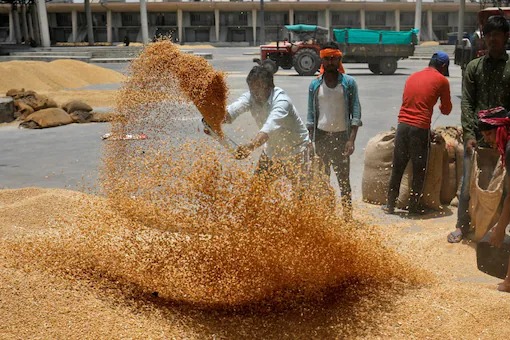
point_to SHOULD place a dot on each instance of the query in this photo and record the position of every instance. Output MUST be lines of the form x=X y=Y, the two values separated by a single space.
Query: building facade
x=227 y=21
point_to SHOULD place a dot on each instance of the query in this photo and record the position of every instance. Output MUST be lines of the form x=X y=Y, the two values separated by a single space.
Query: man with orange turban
x=334 y=115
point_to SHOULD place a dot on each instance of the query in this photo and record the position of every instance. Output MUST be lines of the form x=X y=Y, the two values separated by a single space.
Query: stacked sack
x=37 y=111
x=442 y=179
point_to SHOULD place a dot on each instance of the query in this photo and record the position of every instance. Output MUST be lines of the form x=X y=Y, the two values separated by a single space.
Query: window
x=63 y=19
x=130 y=19
x=276 y=18
x=202 y=19
x=309 y=18
x=440 y=19
x=234 y=19
x=376 y=18
x=345 y=19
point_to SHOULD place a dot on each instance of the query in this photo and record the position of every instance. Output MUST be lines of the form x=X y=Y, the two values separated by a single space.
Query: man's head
x=331 y=57
x=495 y=34
x=440 y=61
x=260 y=82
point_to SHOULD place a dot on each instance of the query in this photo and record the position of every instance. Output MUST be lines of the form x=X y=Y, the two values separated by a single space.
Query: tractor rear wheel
x=388 y=66
x=306 y=62
x=374 y=68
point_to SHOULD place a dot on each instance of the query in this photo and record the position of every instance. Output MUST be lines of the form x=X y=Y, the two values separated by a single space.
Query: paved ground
x=69 y=156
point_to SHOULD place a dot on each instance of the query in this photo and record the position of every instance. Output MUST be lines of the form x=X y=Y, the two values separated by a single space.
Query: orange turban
x=331 y=52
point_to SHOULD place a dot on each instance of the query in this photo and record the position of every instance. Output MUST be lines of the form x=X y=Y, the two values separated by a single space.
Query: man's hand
x=497 y=236
x=243 y=151
x=349 y=148
x=470 y=145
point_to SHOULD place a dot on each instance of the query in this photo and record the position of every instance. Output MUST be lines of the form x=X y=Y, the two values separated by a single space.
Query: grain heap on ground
x=188 y=221
x=54 y=75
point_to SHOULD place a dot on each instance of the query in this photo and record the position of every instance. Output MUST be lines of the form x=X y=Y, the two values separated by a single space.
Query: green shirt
x=486 y=84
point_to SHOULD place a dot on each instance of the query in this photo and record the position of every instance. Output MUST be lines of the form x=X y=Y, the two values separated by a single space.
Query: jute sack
x=101 y=117
x=377 y=167
x=486 y=190
x=22 y=110
x=79 y=116
x=76 y=105
x=47 y=118
x=405 y=187
x=434 y=176
x=39 y=102
x=431 y=197
x=449 y=183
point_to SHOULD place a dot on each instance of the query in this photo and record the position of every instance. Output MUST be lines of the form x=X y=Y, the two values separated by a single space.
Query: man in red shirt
x=421 y=92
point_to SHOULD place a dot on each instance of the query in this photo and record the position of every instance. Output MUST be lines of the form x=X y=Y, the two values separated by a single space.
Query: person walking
x=422 y=90
x=334 y=116
x=485 y=85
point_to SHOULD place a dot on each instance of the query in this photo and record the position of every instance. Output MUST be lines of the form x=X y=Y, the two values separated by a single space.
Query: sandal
x=455 y=236
x=387 y=209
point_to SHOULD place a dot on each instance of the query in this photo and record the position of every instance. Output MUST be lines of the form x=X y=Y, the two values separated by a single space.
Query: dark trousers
x=411 y=143
x=330 y=148
x=295 y=168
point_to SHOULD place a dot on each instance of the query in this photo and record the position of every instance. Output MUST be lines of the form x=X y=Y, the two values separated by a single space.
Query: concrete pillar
x=17 y=28
x=262 y=35
x=90 y=25
x=144 y=22
x=254 y=22
x=31 y=33
x=291 y=16
x=217 y=24
x=327 y=21
x=109 y=37
x=429 y=24
x=417 y=18
x=12 y=35
x=43 y=23
x=397 y=19
x=24 y=24
x=462 y=10
x=362 y=18
x=74 y=25
x=179 y=25
x=35 y=21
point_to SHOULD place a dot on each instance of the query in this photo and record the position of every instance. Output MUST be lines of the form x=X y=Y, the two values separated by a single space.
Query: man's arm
x=446 y=100
x=355 y=114
x=241 y=105
x=349 y=146
x=468 y=115
x=355 y=106
x=310 y=117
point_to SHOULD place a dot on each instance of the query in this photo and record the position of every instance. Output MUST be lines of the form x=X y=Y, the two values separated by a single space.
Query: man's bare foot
x=504 y=287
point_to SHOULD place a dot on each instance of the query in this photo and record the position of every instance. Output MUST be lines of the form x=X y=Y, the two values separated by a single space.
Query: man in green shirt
x=486 y=84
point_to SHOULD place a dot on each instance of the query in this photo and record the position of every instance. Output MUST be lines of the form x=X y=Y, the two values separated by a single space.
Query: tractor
x=300 y=50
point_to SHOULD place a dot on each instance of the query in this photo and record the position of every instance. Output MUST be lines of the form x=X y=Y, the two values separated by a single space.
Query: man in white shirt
x=282 y=132
x=334 y=115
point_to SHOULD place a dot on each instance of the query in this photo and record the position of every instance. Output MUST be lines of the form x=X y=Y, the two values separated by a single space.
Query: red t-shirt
x=421 y=92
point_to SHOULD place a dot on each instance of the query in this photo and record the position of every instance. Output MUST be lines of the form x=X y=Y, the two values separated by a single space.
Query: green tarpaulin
x=361 y=36
x=304 y=28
